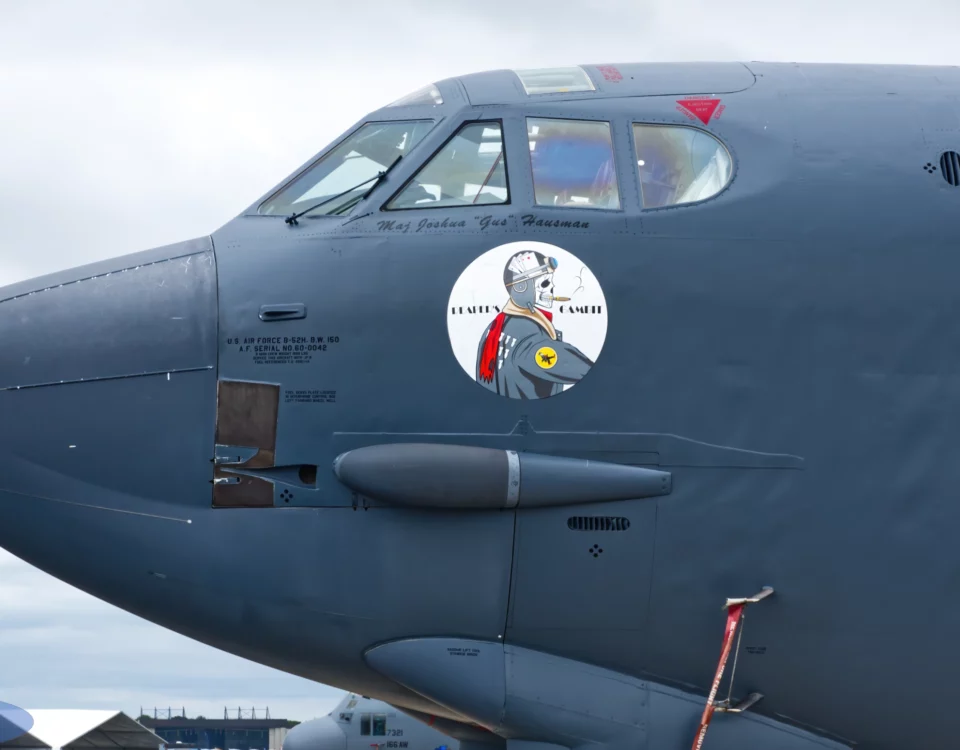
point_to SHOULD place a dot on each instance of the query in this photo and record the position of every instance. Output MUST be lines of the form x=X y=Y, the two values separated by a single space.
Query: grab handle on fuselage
x=295 y=311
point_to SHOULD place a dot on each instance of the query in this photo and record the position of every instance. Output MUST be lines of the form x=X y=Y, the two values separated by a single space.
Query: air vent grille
x=598 y=523
x=950 y=167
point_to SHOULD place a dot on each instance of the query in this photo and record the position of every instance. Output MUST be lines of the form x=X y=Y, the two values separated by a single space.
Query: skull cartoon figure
x=528 y=277
x=521 y=354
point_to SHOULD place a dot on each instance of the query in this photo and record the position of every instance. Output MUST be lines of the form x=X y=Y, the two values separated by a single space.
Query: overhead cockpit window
x=470 y=170
x=554 y=80
x=427 y=95
x=344 y=175
x=573 y=163
x=679 y=164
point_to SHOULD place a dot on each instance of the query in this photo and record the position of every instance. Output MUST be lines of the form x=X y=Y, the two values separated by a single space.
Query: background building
x=238 y=729
x=74 y=729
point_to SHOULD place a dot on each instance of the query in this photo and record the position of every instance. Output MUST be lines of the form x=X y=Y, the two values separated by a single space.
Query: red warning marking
x=702 y=109
x=610 y=73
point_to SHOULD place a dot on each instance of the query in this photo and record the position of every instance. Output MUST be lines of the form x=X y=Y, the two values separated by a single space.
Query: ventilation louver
x=950 y=167
x=598 y=523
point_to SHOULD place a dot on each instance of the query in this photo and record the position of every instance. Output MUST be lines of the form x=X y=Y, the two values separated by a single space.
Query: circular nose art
x=527 y=320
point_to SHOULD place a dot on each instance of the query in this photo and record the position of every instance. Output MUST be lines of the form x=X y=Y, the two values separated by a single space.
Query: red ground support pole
x=733 y=620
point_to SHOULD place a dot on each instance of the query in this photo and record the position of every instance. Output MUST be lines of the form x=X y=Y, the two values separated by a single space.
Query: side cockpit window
x=469 y=170
x=679 y=164
x=344 y=175
x=573 y=163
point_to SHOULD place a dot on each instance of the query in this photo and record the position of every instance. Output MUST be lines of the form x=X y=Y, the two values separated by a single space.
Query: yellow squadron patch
x=546 y=357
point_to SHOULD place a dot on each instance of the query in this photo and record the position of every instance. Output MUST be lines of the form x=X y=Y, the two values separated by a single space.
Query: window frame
x=611 y=124
x=434 y=121
x=634 y=158
x=420 y=167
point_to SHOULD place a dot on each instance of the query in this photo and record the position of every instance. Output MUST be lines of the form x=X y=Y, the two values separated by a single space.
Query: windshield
x=354 y=163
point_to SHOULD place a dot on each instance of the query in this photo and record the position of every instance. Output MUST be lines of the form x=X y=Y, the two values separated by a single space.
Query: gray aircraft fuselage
x=403 y=463
x=360 y=723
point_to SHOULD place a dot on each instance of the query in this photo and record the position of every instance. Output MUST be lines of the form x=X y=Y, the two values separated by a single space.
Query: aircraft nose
x=107 y=395
x=132 y=316
x=318 y=734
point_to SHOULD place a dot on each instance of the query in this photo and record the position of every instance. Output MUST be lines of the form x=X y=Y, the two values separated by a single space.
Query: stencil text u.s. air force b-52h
x=535 y=518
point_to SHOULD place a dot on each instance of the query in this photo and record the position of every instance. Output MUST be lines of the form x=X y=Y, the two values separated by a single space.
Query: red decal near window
x=610 y=73
x=702 y=109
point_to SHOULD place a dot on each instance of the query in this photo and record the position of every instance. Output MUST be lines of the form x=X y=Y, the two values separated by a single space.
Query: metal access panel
x=246 y=439
x=582 y=577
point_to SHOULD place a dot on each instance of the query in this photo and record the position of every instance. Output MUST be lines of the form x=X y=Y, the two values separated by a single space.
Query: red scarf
x=489 y=355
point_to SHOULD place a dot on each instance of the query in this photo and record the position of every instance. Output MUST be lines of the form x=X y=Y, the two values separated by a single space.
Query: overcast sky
x=128 y=124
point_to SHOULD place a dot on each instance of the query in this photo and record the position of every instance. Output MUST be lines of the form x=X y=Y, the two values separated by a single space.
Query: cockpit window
x=573 y=163
x=426 y=95
x=350 y=168
x=679 y=164
x=554 y=80
x=470 y=170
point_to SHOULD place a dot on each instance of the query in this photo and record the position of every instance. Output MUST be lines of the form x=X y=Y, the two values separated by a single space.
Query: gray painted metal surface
x=457 y=476
x=785 y=351
x=359 y=723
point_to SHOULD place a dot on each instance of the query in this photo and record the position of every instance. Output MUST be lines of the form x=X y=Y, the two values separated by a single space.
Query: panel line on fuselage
x=168 y=373
x=95 y=507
